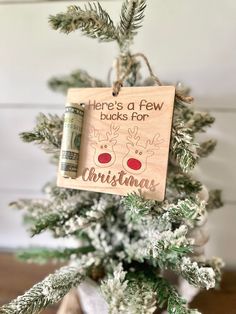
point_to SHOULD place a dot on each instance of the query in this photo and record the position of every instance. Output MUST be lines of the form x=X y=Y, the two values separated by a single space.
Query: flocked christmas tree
x=125 y=243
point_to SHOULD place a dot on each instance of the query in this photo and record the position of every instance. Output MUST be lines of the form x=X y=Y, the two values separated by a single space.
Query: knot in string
x=117 y=87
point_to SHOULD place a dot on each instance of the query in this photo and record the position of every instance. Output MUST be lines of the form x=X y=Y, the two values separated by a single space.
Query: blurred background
x=192 y=41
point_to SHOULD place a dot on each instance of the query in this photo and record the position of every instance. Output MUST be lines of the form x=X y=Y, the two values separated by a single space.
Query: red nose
x=104 y=158
x=134 y=164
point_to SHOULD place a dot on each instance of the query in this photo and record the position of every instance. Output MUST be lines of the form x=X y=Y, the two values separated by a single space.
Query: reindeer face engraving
x=135 y=161
x=104 y=154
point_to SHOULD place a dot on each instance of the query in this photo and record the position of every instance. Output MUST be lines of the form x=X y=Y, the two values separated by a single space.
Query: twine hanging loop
x=132 y=59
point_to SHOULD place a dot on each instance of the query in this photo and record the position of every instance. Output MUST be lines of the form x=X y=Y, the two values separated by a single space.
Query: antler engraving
x=94 y=135
x=133 y=137
x=113 y=133
x=135 y=161
x=104 y=154
x=154 y=143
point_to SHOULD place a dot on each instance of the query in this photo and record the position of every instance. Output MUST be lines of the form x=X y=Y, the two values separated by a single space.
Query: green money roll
x=72 y=130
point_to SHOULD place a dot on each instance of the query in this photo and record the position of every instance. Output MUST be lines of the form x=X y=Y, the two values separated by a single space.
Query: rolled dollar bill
x=72 y=130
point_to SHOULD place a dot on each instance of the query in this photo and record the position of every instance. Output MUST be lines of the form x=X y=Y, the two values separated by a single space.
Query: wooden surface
x=125 y=140
x=16 y=277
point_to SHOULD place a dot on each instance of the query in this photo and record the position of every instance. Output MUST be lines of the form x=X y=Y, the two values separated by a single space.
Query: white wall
x=188 y=40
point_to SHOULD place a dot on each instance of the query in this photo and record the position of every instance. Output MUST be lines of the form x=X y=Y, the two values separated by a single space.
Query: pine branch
x=32 y=206
x=167 y=296
x=117 y=283
x=44 y=214
x=132 y=295
x=182 y=183
x=52 y=215
x=44 y=255
x=137 y=206
x=66 y=212
x=201 y=275
x=217 y=264
x=198 y=121
x=182 y=147
x=79 y=78
x=93 y=21
x=47 y=133
x=74 y=214
x=46 y=292
x=140 y=292
x=215 y=200
x=60 y=194
x=172 y=246
x=48 y=221
x=159 y=248
x=59 y=221
x=206 y=148
x=131 y=18
x=185 y=211
x=142 y=297
x=95 y=212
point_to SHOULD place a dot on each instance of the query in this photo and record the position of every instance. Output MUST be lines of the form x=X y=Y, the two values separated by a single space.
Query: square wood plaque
x=125 y=140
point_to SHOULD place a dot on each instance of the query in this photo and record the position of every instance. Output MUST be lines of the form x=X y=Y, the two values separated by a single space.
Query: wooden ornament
x=125 y=140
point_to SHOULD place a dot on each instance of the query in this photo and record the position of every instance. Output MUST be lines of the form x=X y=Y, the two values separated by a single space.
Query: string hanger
x=118 y=84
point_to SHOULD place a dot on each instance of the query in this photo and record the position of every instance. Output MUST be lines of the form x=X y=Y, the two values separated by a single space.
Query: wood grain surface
x=17 y=277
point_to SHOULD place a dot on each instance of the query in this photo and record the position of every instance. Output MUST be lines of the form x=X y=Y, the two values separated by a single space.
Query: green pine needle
x=79 y=78
x=93 y=21
x=45 y=255
x=137 y=206
x=47 y=133
x=197 y=121
x=168 y=297
x=183 y=183
x=182 y=147
x=206 y=148
x=131 y=18
x=46 y=292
